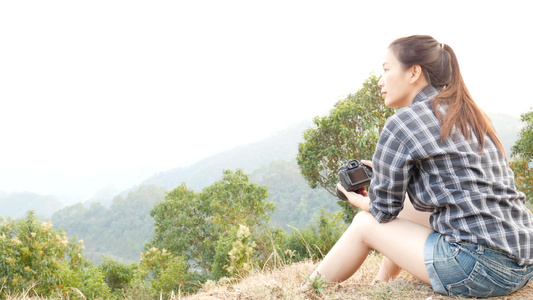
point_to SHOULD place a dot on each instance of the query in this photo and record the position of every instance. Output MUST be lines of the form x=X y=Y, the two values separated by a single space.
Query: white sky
x=93 y=87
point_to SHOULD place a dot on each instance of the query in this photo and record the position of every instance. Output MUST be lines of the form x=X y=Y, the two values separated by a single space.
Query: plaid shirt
x=472 y=197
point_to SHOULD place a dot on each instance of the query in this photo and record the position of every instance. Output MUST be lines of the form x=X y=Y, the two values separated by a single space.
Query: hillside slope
x=280 y=146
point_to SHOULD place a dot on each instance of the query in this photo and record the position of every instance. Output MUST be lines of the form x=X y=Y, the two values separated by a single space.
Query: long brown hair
x=441 y=69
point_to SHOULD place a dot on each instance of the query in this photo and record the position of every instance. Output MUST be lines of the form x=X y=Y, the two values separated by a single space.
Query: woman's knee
x=363 y=219
x=362 y=223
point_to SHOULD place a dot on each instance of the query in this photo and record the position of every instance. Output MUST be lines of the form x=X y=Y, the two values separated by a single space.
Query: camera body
x=353 y=176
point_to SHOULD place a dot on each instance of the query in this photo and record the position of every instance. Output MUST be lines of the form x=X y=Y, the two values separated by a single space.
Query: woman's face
x=396 y=87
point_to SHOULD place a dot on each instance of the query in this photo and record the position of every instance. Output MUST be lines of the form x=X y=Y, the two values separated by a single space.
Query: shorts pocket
x=482 y=282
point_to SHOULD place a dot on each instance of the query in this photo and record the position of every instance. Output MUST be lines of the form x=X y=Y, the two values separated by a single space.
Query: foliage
x=238 y=252
x=192 y=223
x=220 y=261
x=235 y=200
x=350 y=131
x=161 y=273
x=523 y=177
x=296 y=203
x=90 y=282
x=318 y=285
x=315 y=241
x=182 y=226
x=269 y=252
x=522 y=151
x=234 y=253
x=34 y=256
x=523 y=147
x=117 y=275
x=118 y=231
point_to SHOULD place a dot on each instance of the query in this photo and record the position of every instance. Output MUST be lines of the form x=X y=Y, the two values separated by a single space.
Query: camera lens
x=341 y=195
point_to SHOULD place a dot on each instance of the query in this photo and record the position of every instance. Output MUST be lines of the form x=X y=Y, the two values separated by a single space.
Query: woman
x=442 y=204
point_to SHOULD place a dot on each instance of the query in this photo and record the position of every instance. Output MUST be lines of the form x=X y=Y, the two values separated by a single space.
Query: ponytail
x=441 y=68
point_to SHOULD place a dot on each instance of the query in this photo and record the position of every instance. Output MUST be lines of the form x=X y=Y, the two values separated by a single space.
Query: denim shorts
x=470 y=270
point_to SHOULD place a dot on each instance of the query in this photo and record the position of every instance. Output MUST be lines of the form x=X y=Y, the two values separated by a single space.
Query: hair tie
x=441 y=46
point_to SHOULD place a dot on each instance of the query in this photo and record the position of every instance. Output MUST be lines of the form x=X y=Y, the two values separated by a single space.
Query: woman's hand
x=367 y=163
x=359 y=199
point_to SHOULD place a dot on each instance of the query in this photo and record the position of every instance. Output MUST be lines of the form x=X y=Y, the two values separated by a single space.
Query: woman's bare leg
x=388 y=269
x=400 y=240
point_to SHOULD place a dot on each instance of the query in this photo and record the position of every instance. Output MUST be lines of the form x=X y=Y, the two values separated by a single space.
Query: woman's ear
x=415 y=72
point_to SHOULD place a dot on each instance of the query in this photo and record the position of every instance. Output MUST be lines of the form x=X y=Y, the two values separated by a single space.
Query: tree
x=38 y=260
x=181 y=225
x=160 y=275
x=523 y=177
x=235 y=200
x=117 y=275
x=350 y=131
x=296 y=203
x=522 y=151
x=190 y=224
x=119 y=231
x=523 y=147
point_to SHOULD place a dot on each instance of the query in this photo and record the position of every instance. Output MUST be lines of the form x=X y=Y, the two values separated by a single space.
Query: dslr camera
x=353 y=175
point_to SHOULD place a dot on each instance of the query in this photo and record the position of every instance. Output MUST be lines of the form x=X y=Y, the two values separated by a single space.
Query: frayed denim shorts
x=470 y=270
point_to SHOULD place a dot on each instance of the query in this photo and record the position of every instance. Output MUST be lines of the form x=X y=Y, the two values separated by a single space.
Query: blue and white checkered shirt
x=472 y=196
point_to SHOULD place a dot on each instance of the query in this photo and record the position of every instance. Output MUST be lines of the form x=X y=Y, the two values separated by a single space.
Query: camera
x=353 y=176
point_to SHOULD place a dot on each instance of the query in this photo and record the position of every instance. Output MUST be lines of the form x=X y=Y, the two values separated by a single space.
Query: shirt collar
x=429 y=92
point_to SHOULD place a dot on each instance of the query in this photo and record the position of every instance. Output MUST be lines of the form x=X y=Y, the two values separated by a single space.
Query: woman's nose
x=381 y=83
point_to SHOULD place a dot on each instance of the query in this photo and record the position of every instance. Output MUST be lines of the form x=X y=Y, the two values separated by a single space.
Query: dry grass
x=285 y=283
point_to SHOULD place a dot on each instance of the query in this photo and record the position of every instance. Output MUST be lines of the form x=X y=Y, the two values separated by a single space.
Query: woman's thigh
x=400 y=240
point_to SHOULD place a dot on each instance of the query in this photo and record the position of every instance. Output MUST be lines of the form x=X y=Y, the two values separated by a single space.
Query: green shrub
x=117 y=275
x=315 y=240
x=160 y=274
x=235 y=253
x=38 y=260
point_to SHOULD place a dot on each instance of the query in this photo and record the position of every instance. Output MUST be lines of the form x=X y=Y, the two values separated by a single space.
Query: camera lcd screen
x=357 y=175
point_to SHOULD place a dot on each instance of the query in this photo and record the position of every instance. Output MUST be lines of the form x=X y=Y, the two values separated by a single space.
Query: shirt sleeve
x=392 y=166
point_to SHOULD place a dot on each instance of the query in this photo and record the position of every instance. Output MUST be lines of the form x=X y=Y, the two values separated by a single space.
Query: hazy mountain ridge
x=16 y=205
x=280 y=146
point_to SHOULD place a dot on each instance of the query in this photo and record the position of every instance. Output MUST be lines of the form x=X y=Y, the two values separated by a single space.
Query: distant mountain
x=16 y=205
x=280 y=146
x=104 y=196
x=119 y=231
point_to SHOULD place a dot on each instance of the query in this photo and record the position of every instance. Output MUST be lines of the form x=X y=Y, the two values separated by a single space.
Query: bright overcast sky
x=106 y=86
